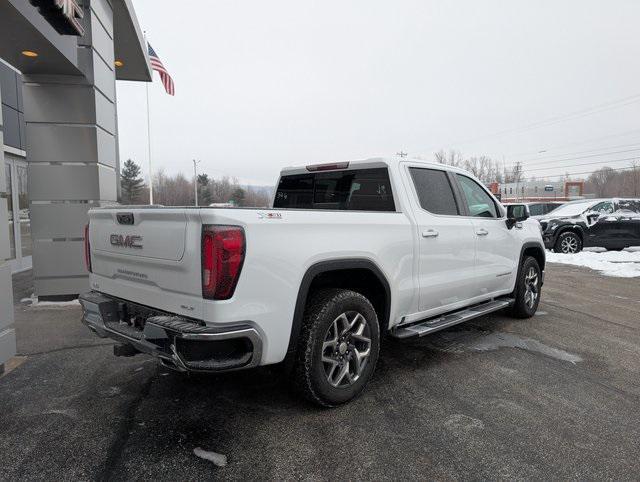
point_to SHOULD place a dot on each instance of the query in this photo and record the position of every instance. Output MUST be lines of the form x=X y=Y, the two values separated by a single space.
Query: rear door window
x=435 y=193
x=631 y=205
x=353 y=190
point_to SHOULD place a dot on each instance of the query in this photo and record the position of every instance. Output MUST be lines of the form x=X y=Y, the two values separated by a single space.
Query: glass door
x=19 y=215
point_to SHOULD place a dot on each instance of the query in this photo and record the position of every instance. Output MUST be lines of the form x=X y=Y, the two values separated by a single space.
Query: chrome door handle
x=482 y=232
x=430 y=233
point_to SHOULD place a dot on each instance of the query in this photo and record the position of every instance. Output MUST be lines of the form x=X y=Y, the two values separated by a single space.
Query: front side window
x=434 y=191
x=605 y=207
x=479 y=203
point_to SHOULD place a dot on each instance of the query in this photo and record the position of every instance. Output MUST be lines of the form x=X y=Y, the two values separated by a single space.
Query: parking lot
x=554 y=397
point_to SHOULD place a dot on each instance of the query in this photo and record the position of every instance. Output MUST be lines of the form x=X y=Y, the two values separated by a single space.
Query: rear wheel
x=338 y=347
x=528 y=289
x=568 y=243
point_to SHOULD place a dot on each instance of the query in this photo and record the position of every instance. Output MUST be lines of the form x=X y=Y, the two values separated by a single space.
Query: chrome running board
x=441 y=322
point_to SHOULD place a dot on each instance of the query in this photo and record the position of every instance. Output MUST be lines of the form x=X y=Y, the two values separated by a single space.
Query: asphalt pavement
x=553 y=397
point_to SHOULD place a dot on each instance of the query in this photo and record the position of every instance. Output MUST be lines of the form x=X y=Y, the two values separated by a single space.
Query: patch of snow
x=622 y=264
x=217 y=459
x=34 y=303
x=498 y=340
x=460 y=422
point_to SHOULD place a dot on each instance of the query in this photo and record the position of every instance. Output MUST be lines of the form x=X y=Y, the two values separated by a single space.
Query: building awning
x=129 y=43
x=23 y=28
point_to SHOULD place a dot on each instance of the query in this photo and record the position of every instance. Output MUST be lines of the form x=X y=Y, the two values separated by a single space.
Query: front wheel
x=568 y=243
x=528 y=289
x=338 y=347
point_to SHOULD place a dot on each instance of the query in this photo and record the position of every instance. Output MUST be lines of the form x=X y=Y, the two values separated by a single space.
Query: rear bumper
x=179 y=343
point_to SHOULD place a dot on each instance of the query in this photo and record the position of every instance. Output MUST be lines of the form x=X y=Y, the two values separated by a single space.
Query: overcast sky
x=261 y=85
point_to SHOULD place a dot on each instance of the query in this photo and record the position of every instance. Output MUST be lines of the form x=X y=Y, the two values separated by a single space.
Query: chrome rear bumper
x=179 y=343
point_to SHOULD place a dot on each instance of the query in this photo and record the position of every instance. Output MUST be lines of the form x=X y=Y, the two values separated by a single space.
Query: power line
x=551 y=161
x=596 y=109
x=589 y=172
x=579 y=152
x=586 y=164
x=578 y=143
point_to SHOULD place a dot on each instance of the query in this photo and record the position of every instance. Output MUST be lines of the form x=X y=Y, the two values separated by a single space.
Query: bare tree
x=603 y=182
x=515 y=173
x=453 y=158
x=483 y=167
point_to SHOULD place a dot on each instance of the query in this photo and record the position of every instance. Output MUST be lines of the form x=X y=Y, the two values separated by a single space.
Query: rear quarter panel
x=280 y=249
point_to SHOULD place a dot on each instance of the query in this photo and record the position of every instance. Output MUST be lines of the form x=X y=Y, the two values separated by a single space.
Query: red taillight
x=223 y=250
x=87 y=249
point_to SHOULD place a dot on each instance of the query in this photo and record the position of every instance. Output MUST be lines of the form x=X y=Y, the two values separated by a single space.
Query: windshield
x=572 y=209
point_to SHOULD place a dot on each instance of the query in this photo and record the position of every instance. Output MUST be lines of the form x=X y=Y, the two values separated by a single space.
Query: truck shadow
x=242 y=413
x=268 y=386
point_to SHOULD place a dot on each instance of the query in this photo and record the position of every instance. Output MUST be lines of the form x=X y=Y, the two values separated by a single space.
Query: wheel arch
x=534 y=249
x=366 y=276
x=570 y=227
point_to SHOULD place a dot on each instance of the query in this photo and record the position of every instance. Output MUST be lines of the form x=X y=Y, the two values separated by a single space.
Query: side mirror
x=519 y=212
x=592 y=217
x=516 y=213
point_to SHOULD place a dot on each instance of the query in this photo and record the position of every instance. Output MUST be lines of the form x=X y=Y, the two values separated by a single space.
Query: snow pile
x=622 y=264
x=34 y=303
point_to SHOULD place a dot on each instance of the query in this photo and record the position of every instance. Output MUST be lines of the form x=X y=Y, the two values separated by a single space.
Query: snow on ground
x=34 y=303
x=622 y=264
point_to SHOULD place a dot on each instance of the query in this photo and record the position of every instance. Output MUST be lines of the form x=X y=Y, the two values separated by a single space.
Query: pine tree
x=237 y=198
x=131 y=183
x=204 y=191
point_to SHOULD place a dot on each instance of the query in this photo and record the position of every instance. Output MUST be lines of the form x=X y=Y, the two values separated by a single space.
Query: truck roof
x=363 y=164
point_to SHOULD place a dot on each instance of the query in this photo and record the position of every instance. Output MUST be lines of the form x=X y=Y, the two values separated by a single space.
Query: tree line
x=178 y=190
x=609 y=182
x=483 y=167
x=604 y=182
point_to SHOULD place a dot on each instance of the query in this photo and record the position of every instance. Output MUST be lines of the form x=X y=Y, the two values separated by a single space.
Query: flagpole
x=149 y=145
x=149 y=126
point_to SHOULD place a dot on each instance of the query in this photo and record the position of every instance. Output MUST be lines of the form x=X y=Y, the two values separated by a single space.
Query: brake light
x=328 y=167
x=223 y=249
x=87 y=249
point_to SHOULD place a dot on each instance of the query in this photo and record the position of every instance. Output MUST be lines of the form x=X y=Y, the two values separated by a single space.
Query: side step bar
x=441 y=322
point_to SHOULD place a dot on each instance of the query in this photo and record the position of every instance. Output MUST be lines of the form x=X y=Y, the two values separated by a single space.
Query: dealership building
x=59 y=62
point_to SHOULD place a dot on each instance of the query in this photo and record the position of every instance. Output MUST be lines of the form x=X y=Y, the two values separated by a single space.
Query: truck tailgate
x=150 y=256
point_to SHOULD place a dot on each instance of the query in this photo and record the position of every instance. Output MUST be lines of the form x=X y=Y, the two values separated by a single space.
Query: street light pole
x=195 y=181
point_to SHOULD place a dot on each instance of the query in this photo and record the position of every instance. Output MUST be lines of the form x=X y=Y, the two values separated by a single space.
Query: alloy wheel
x=346 y=349
x=569 y=245
x=531 y=287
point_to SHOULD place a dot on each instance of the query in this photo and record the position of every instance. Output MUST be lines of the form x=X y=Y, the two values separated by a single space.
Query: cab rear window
x=353 y=190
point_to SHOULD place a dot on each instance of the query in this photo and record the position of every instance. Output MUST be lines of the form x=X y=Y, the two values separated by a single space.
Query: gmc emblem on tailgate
x=125 y=241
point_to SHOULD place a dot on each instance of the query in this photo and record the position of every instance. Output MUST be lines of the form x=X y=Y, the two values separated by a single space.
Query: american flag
x=156 y=64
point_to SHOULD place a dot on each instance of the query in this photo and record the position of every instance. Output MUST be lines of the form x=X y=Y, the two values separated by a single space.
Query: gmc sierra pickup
x=350 y=252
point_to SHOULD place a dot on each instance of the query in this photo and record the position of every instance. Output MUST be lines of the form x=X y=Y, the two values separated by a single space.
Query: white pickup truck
x=350 y=252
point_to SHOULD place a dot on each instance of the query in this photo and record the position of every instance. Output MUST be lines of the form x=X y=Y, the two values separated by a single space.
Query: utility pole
x=195 y=181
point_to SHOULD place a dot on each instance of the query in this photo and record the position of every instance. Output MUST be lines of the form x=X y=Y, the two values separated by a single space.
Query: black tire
x=568 y=242
x=322 y=320
x=522 y=308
